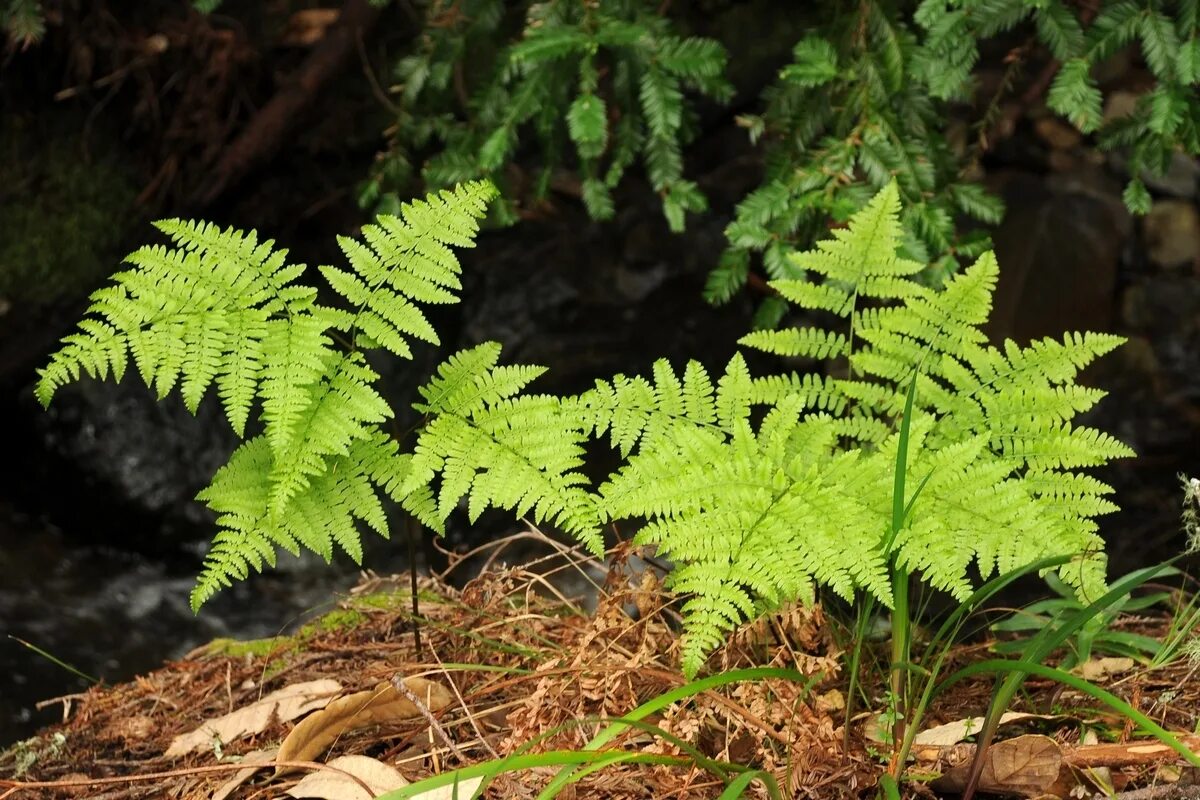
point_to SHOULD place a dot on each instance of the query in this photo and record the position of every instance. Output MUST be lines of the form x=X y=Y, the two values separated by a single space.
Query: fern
x=752 y=518
x=618 y=69
x=759 y=516
x=499 y=449
x=221 y=307
x=762 y=490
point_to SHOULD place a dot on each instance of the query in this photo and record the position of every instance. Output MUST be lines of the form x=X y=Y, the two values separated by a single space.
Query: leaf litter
x=507 y=661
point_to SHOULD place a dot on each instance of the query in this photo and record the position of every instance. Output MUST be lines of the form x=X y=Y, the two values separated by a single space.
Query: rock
x=1059 y=248
x=1119 y=104
x=1178 y=181
x=137 y=454
x=1056 y=133
x=1172 y=234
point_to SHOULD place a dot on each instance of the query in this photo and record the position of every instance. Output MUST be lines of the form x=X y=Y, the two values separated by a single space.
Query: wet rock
x=1178 y=181
x=591 y=300
x=148 y=457
x=1059 y=248
x=1172 y=234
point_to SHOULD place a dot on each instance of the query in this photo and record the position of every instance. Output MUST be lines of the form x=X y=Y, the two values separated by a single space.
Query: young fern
x=759 y=489
x=757 y=516
x=220 y=307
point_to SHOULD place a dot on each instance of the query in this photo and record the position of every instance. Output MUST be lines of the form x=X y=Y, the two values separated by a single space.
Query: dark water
x=114 y=613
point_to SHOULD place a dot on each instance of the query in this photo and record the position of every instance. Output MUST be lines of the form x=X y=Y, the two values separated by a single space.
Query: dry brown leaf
x=1097 y=669
x=955 y=732
x=1027 y=766
x=329 y=785
x=243 y=775
x=282 y=705
x=381 y=704
x=465 y=790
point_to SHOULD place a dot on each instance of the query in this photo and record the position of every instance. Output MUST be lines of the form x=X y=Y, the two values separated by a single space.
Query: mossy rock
x=64 y=215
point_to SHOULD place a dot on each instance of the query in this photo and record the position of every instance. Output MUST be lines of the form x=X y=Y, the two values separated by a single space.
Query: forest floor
x=350 y=707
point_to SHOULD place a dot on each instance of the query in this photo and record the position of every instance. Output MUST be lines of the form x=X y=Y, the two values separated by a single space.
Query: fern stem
x=413 y=529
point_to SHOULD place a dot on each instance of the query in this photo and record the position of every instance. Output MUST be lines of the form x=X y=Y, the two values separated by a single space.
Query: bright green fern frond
x=750 y=518
x=219 y=306
x=865 y=248
x=792 y=342
x=189 y=316
x=323 y=512
x=454 y=382
x=407 y=260
x=342 y=408
x=497 y=449
x=817 y=392
x=628 y=408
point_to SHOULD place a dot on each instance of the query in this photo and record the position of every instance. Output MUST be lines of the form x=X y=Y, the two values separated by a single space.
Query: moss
x=24 y=755
x=64 y=216
x=395 y=601
x=271 y=646
x=280 y=649
x=337 y=620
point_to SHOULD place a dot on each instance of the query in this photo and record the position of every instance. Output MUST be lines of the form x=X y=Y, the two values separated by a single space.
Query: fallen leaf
x=955 y=732
x=1027 y=766
x=282 y=705
x=326 y=784
x=1097 y=669
x=381 y=704
x=465 y=791
x=242 y=775
x=830 y=701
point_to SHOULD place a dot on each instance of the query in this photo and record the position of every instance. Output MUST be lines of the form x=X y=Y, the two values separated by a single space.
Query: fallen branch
x=266 y=131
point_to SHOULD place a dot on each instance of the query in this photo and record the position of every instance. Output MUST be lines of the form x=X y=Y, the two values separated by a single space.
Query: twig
x=462 y=702
x=16 y=786
x=65 y=699
x=403 y=689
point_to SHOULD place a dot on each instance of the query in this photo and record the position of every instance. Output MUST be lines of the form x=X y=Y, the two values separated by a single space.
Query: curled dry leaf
x=960 y=729
x=1098 y=669
x=372 y=707
x=329 y=785
x=282 y=705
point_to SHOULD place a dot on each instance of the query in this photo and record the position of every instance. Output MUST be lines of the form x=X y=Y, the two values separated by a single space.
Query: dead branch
x=266 y=131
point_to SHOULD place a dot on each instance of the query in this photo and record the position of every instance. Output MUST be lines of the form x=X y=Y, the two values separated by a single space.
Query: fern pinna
x=756 y=514
x=221 y=307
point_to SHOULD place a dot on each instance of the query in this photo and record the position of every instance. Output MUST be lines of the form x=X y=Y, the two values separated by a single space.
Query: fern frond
x=405 y=260
x=497 y=449
x=750 y=520
x=189 y=316
x=324 y=512
x=221 y=307
x=792 y=342
x=628 y=408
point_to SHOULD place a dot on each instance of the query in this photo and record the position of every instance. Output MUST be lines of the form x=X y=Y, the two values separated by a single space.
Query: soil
x=529 y=670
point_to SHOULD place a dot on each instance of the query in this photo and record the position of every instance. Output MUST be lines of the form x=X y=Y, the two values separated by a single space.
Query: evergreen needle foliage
x=761 y=490
x=867 y=98
x=471 y=92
